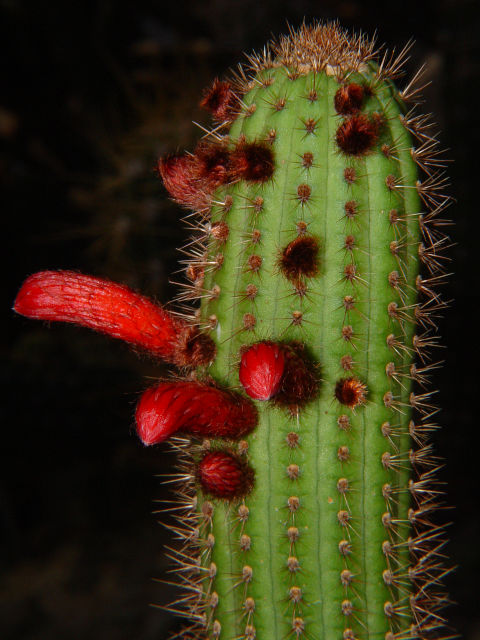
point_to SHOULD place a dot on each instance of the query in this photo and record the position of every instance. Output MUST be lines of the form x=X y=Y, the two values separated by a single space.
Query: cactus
x=306 y=483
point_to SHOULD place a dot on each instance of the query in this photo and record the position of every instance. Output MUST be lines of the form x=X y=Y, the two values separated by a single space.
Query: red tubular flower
x=224 y=475
x=115 y=310
x=261 y=370
x=194 y=408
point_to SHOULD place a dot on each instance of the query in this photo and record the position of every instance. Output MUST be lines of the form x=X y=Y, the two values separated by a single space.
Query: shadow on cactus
x=302 y=412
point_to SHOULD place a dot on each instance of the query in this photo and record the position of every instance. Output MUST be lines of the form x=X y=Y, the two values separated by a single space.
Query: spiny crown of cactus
x=307 y=482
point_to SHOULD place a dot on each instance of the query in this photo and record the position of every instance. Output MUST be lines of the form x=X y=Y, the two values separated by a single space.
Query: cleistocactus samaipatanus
x=307 y=483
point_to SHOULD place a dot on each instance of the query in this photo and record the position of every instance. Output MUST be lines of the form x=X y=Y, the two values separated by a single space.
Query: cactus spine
x=306 y=478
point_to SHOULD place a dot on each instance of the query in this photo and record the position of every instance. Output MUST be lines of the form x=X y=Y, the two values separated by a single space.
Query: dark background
x=91 y=94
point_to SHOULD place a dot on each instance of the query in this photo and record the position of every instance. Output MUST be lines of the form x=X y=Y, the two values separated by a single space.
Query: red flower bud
x=277 y=371
x=261 y=370
x=194 y=408
x=224 y=475
x=115 y=310
x=178 y=175
x=192 y=179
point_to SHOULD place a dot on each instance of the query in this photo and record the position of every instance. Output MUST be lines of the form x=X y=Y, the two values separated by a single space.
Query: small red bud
x=261 y=370
x=224 y=475
x=115 y=310
x=194 y=408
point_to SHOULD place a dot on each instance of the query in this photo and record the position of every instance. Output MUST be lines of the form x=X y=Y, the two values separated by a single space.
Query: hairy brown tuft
x=349 y=99
x=252 y=161
x=211 y=164
x=195 y=349
x=300 y=258
x=299 y=380
x=221 y=101
x=357 y=135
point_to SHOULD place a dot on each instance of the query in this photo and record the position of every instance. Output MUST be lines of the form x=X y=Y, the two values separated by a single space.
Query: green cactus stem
x=334 y=539
x=307 y=482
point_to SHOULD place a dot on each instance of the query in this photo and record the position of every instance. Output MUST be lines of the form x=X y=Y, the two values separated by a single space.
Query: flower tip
x=261 y=370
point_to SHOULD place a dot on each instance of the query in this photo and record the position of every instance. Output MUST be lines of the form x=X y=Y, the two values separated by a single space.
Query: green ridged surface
x=324 y=315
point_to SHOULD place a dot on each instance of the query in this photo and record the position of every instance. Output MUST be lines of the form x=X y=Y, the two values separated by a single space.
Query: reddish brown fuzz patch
x=300 y=258
x=351 y=392
x=349 y=99
x=357 y=135
x=223 y=474
x=195 y=273
x=220 y=100
x=346 y=362
x=252 y=161
x=299 y=381
x=211 y=161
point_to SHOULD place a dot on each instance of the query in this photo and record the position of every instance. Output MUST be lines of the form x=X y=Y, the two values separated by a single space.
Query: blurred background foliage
x=91 y=94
